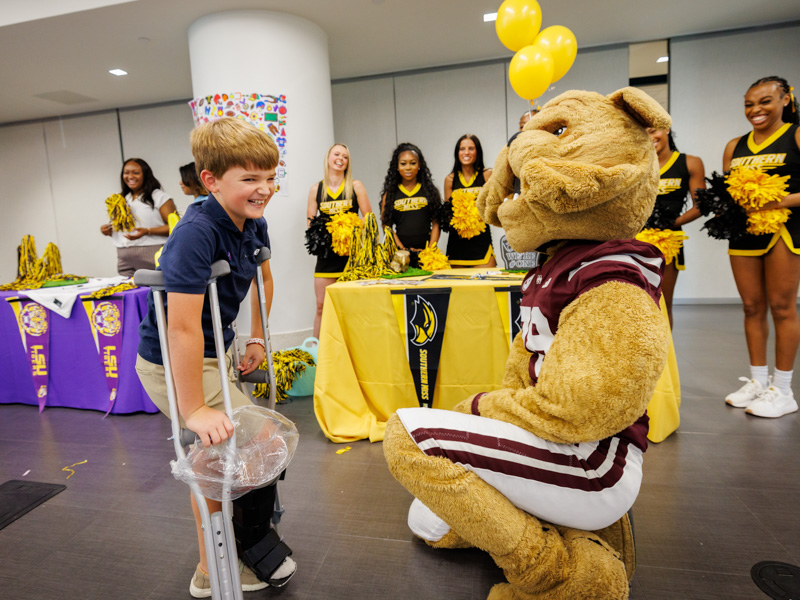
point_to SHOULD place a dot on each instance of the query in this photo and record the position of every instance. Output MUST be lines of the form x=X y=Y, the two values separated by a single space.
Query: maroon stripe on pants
x=476 y=460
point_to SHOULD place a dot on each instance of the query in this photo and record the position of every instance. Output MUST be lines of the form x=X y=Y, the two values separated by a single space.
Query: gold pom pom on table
x=432 y=258
x=112 y=289
x=752 y=188
x=369 y=259
x=33 y=271
x=342 y=228
x=288 y=365
x=119 y=213
x=466 y=220
x=669 y=242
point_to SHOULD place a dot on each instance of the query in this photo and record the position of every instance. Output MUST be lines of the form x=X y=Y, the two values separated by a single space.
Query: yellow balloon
x=562 y=45
x=531 y=71
x=518 y=23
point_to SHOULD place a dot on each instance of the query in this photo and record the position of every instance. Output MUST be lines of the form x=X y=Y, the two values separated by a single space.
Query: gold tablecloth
x=363 y=376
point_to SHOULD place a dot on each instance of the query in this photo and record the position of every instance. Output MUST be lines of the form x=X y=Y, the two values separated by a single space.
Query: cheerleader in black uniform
x=681 y=175
x=409 y=201
x=336 y=193
x=469 y=173
x=767 y=267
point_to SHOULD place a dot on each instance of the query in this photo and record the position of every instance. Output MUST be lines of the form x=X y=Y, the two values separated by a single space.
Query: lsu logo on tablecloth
x=33 y=319
x=424 y=322
x=42 y=392
x=106 y=319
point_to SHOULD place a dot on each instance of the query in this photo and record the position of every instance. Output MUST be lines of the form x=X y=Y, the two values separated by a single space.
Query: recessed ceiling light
x=118 y=72
x=663 y=59
x=489 y=17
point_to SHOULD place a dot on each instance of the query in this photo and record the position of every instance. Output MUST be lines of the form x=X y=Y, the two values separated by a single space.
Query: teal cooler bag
x=304 y=384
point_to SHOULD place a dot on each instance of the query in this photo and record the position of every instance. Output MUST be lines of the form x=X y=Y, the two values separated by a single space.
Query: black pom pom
x=729 y=220
x=444 y=215
x=318 y=238
x=664 y=215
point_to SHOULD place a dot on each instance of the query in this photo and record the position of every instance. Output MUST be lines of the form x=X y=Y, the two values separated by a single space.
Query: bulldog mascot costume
x=542 y=473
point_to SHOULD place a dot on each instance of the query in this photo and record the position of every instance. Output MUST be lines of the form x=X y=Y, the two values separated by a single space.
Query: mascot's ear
x=644 y=109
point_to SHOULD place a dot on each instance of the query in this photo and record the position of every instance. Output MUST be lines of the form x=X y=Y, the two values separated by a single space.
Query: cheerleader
x=409 y=201
x=468 y=173
x=681 y=175
x=336 y=193
x=766 y=267
x=151 y=207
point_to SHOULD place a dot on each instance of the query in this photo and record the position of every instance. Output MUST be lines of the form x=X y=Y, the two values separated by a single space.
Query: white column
x=256 y=51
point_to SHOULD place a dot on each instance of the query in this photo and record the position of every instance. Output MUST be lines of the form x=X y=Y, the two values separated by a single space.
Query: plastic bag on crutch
x=265 y=444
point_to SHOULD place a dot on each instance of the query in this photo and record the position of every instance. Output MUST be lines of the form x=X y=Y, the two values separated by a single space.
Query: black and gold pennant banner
x=508 y=301
x=422 y=315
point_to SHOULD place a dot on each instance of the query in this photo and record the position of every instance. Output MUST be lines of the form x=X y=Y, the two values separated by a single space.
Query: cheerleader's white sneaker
x=772 y=403
x=746 y=394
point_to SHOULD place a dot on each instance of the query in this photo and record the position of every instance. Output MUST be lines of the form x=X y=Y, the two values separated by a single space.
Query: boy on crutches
x=236 y=163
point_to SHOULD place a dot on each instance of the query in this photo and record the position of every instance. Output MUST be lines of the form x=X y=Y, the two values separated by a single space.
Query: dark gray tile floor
x=718 y=496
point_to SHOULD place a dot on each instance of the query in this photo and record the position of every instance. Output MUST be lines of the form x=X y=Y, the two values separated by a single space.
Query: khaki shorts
x=154 y=383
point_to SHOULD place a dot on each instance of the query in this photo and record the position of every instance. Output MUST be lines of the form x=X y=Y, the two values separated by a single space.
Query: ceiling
x=57 y=53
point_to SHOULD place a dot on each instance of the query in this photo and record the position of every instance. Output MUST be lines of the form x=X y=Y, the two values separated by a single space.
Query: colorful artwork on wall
x=265 y=111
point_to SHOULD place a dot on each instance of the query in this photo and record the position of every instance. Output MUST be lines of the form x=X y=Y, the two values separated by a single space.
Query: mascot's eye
x=559 y=131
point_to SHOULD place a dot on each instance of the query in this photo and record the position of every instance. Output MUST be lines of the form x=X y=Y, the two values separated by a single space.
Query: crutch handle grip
x=188 y=437
x=257 y=376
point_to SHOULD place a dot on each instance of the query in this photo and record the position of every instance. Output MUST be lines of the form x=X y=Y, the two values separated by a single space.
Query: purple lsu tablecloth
x=76 y=378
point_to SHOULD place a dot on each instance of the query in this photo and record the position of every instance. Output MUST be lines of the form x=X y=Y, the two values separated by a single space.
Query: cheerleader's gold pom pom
x=341 y=228
x=119 y=213
x=288 y=365
x=466 y=220
x=752 y=188
x=432 y=258
x=767 y=221
x=669 y=242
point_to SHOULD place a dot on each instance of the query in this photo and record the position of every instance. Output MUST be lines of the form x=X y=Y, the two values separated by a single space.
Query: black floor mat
x=18 y=497
x=777 y=580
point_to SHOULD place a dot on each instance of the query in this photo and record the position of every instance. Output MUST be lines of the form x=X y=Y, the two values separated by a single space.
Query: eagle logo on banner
x=424 y=322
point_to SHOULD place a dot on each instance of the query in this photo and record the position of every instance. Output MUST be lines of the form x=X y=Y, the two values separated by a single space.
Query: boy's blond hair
x=220 y=145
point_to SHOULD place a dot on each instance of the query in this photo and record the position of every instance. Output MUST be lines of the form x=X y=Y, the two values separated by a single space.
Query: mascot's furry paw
x=572 y=564
x=450 y=541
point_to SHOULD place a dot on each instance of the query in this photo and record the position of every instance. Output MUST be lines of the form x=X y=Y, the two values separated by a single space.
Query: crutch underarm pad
x=267 y=555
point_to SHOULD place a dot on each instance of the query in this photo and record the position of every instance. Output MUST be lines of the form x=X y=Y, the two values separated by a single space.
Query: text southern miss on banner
x=422 y=316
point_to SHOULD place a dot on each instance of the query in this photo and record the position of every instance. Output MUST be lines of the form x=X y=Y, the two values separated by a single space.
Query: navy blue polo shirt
x=204 y=235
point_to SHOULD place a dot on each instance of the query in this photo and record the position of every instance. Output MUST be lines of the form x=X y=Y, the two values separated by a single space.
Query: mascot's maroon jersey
x=577 y=268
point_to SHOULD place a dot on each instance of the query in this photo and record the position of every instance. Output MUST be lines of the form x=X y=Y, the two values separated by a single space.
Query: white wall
x=709 y=76
x=27 y=200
